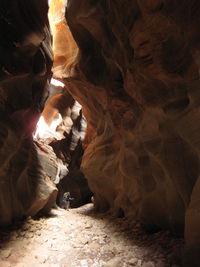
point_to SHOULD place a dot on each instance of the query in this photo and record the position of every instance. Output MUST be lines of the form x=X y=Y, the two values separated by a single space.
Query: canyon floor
x=81 y=237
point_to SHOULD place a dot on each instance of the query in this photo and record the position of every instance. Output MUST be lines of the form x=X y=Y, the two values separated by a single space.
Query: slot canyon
x=99 y=99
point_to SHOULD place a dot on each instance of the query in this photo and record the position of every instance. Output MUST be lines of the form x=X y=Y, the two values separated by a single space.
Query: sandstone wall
x=137 y=77
x=25 y=68
x=136 y=74
x=67 y=145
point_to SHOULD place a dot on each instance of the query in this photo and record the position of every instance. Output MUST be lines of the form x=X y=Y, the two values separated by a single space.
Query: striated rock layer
x=64 y=145
x=137 y=78
x=25 y=68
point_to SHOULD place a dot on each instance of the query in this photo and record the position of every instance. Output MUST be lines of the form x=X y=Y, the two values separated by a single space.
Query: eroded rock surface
x=137 y=78
x=25 y=68
x=60 y=145
x=134 y=67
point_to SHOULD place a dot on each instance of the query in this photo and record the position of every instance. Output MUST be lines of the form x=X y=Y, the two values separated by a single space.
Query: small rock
x=114 y=262
x=29 y=235
x=84 y=241
x=5 y=253
x=93 y=246
x=25 y=227
x=133 y=262
x=84 y=263
x=22 y=233
x=43 y=259
x=88 y=226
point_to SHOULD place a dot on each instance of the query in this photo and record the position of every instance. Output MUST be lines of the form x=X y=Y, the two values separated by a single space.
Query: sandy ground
x=80 y=237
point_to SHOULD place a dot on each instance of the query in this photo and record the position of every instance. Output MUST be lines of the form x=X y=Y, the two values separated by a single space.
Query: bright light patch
x=43 y=130
x=55 y=123
x=56 y=83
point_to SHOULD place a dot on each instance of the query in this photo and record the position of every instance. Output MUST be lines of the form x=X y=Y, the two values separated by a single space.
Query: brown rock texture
x=137 y=77
x=69 y=148
x=64 y=47
x=25 y=68
x=63 y=147
x=134 y=66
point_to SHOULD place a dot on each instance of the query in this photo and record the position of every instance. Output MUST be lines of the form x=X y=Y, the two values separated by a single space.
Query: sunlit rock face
x=137 y=78
x=59 y=133
x=64 y=47
x=26 y=60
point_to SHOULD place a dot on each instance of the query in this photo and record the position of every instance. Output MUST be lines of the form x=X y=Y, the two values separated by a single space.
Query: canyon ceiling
x=134 y=66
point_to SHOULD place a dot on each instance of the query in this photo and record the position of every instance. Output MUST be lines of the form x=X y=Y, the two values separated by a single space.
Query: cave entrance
x=61 y=127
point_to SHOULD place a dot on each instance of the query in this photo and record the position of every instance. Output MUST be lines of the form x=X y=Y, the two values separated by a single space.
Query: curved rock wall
x=64 y=47
x=136 y=74
x=137 y=77
x=66 y=142
x=25 y=66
